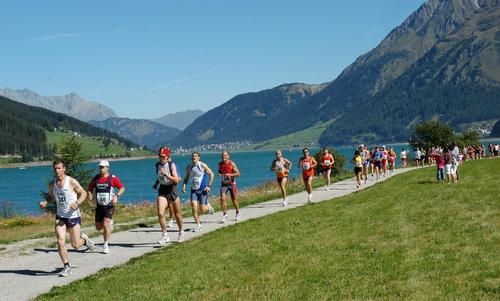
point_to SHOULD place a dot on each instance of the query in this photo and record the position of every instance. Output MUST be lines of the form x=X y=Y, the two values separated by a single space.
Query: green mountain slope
x=22 y=129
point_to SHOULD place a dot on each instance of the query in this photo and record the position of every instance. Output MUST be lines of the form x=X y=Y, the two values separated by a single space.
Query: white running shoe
x=327 y=189
x=224 y=219
x=198 y=228
x=181 y=236
x=171 y=223
x=285 y=202
x=309 y=198
x=238 y=216
x=88 y=242
x=211 y=209
x=164 y=239
x=106 y=250
x=110 y=227
x=65 y=272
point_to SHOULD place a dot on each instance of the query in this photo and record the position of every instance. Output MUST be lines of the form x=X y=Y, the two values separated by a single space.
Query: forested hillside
x=22 y=129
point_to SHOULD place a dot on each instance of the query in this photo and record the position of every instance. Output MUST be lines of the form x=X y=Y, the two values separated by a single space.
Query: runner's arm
x=50 y=196
x=79 y=190
x=236 y=171
x=289 y=164
x=174 y=177
x=210 y=173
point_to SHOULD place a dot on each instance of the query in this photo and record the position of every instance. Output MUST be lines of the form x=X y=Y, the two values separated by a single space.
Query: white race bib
x=306 y=166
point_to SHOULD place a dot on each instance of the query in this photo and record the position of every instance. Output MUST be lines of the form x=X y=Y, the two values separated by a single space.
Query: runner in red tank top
x=327 y=165
x=227 y=172
x=307 y=164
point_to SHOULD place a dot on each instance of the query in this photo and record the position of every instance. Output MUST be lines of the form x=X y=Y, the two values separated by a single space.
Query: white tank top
x=162 y=179
x=64 y=197
x=196 y=174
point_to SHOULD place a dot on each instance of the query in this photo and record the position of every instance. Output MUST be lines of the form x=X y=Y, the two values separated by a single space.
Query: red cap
x=164 y=151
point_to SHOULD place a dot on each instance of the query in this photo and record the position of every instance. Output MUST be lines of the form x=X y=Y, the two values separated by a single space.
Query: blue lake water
x=22 y=187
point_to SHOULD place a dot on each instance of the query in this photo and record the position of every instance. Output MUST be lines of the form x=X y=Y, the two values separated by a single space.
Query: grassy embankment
x=93 y=146
x=407 y=238
x=308 y=137
x=27 y=227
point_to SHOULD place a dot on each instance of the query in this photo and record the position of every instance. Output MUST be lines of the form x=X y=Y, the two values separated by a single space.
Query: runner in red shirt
x=326 y=166
x=104 y=185
x=307 y=164
x=227 y=172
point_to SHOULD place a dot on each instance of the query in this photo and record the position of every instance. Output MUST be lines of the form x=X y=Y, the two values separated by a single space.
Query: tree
x=495 y=132
x=106 y=142
x=339 y=160
x=468 y=138
x=431 y=133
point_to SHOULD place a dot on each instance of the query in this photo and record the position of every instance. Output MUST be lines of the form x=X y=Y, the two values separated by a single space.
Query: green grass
x=406 y=238
x=307 y=137
x=92 y=146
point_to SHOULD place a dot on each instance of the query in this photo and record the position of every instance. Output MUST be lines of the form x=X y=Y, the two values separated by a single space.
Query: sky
x=145 y=59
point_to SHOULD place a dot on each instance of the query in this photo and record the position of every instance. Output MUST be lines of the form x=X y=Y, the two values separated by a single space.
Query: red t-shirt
x=115 y=182
x=307 y=167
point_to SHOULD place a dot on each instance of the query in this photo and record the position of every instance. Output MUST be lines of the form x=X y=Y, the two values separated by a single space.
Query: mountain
x=495 y=132
x=140 y=131
x=179 y=120
x=442 y=62
x=251 y=116
x=71 y=104
x=23 y=129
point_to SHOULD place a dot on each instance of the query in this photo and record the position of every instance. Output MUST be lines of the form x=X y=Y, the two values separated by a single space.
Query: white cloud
x=58 y=36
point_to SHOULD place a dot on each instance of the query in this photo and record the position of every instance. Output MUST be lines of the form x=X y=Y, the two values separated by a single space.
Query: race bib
x=61 y=201
x=306 y=166
x=327 y=162
x=103 y=198
x=195 y=184
x=226 y=179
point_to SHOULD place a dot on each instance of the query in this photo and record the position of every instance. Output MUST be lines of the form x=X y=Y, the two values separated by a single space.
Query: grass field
x=406 y=238
x=92 y=146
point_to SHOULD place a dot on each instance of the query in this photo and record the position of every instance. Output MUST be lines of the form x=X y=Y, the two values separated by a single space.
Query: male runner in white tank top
x=63 y=190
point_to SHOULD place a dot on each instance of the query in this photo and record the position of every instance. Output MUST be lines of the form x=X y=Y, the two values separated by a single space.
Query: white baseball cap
x=104 y=163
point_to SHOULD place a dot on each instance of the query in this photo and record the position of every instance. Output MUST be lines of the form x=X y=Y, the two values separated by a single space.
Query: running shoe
x=106 y=250
x=285 y=202
x=164 y=239
x=171 y=223
x=211 y=209
x=111 y=223
x=181 y=236
x=88 y=242
x=224 y=219
x=238 y=216
x=198 y=228
x=309 y=198
x=327 y=189
x=65 y=272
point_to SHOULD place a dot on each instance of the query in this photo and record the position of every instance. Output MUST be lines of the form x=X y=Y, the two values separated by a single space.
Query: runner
x=358 y=166
x=326 y=166
x=377 y=159
x=167 y=178
x=64 y=191
x=365 y=156
x=307 y=163
x=404 y=157
x=106 y=197
x=199 y=188
x=385 y=155
x=227 y=172
x=281 y=166
x=392 y=160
